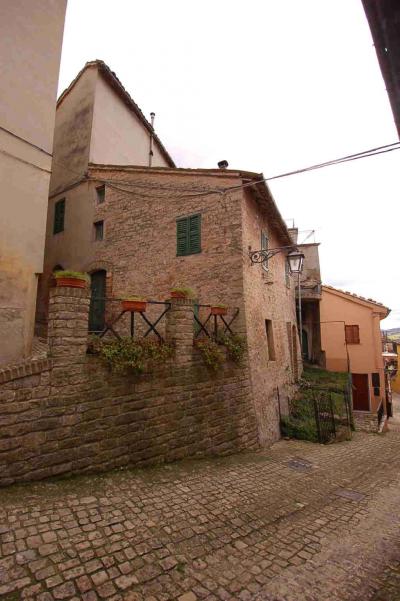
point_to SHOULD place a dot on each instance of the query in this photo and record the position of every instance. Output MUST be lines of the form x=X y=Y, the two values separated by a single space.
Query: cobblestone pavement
x=298 y=522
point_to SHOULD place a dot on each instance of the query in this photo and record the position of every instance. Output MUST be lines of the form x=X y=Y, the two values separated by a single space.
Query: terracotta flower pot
x=135 y=306
x=71 y=282
x=219 y=310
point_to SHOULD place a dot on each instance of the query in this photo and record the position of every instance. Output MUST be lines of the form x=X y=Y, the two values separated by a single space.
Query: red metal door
x=360 y=392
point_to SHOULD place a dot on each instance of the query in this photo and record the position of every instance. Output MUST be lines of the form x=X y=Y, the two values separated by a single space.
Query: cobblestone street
x=297 y=522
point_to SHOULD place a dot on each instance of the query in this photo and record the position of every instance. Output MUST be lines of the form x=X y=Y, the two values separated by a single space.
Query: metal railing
x=106 y=316
x=212 y=325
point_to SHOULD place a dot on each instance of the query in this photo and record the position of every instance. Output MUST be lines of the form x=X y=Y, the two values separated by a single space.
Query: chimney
x=293 y=233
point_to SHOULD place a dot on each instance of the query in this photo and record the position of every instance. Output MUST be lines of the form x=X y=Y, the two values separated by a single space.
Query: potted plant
x=219 y=310
x=182 y=292
x=134 y=304
x=71 y=279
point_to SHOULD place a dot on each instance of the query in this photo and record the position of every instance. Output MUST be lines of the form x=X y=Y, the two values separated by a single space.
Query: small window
x=100 y=194
x=352 y=334
x=264 y=246
x=270 y=339
x=99 y=230
x=188 y=235
x=376 y=383
x=59 y=214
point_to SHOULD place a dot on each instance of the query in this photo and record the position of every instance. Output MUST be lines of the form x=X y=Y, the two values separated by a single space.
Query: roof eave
x=113 y=80
x=262 y=188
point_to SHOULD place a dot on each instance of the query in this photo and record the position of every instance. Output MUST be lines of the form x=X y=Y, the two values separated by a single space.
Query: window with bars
x=188 y=235
x=100 y=194
x=59 y=215
x=376 y=383
x=352 y=334
x=264 y=246
x=99 y=230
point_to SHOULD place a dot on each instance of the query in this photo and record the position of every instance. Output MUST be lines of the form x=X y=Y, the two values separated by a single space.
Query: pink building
x=351 y=340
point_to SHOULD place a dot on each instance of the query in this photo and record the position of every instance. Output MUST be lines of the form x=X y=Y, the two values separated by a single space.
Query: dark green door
x=98 y=301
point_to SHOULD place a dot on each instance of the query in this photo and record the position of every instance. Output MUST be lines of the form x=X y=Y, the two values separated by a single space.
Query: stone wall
x=74 y=416
x=269 y=295
x=139 y=255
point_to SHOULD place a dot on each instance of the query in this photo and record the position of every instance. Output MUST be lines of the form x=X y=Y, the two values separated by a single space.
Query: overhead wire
x=351 y=157
x=345 y=159
x=199 y=191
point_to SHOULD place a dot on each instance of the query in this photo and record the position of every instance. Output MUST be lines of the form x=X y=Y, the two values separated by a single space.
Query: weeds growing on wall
x=214 y=356
x=235 y=345
x=129 y=355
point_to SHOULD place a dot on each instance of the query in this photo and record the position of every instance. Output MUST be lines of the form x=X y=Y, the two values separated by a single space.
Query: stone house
x=141 y=230
x=31 y=36
x=309 y=294
x=351 y=341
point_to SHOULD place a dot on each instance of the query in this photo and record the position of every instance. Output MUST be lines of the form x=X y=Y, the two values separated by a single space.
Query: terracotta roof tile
x=367 y=300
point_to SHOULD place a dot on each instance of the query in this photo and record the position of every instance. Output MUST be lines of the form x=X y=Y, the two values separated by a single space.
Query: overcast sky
x=270 y=86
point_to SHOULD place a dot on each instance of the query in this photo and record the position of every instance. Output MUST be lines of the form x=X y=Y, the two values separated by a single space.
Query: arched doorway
x=97 y=301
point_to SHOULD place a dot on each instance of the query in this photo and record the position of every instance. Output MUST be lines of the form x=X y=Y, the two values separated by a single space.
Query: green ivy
x=130 y=355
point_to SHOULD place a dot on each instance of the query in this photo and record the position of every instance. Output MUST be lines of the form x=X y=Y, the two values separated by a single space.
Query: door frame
x=368 y=392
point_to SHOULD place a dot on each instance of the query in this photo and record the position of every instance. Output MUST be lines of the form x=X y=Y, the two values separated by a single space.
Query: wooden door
x=360 y=392
x=98 y=301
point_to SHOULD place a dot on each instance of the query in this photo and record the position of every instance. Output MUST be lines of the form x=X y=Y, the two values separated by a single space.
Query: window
x=264 y=246
x=287 y=274
x=99 y=230
x=188 y=235
x=59 y=214
x=376 y=383
x=352 y=334
x=270 y=339
x=100 y=194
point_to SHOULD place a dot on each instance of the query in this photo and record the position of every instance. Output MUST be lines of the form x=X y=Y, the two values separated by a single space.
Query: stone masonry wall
x=269 y=296
x=139 y=255
x=75 y=416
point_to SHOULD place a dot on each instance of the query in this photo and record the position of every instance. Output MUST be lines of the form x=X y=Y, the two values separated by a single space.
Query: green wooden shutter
x=195 y=234
x=182 y=234
x=59 y=213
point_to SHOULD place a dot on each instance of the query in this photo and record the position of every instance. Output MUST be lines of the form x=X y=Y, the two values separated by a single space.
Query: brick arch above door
x=99 y=265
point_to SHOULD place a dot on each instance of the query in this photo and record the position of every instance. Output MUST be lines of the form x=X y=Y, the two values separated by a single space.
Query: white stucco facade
x=31 y=33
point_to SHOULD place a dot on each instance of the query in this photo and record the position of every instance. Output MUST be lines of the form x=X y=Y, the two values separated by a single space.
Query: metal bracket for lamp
x=294 y=257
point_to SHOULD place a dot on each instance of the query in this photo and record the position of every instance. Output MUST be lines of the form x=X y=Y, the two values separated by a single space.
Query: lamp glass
x=295 y=260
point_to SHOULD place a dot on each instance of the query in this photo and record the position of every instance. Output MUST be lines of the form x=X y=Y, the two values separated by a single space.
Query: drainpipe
x=300 y=317
x=152 y=115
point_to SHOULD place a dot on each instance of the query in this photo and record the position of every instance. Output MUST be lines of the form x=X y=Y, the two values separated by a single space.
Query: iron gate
x=332 y=409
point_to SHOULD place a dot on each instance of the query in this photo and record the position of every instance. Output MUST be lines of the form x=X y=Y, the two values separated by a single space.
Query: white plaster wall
x=30 y=49
x=73 y=128
x=118 y=136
